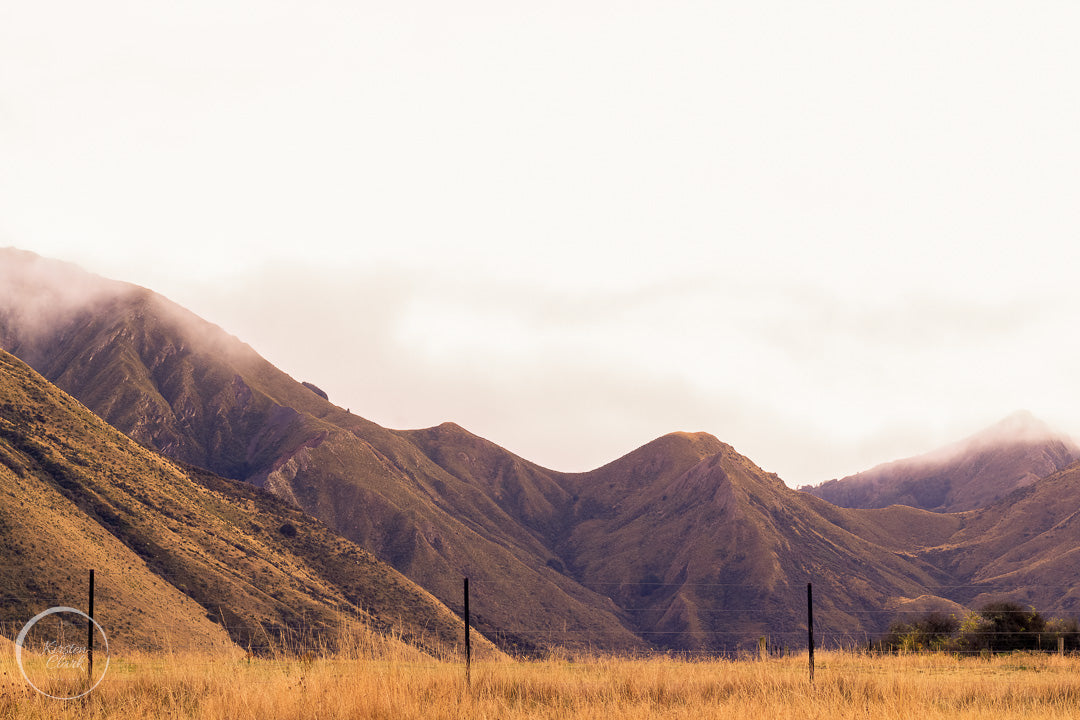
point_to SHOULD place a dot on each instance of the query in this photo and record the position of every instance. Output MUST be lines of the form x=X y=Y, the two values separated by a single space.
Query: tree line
x=996 y=627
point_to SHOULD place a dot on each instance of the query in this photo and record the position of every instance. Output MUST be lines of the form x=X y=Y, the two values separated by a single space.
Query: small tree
x=973 y=635
x=1002 y=627
x=933 y=631
x=1067 y=629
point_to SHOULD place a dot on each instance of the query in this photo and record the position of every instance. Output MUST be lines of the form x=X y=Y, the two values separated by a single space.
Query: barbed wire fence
x=800 y=635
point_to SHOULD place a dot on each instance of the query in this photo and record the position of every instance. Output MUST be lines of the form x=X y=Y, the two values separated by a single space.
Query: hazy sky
x=831 y=234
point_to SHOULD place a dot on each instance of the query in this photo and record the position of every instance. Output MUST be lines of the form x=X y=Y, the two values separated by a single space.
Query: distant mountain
x=698 y=547
x=681 y=544
x=184 y=559
x=705 y=549
x=1022 y=548
x=970 y=474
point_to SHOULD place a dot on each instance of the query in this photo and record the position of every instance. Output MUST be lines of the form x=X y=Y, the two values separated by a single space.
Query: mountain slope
x=183 y=558
x=179 y=384
x=529 y=494
x=700 y=548
x=970 y=474
x=1025 y=547
x=707 y=549
x=682 y=543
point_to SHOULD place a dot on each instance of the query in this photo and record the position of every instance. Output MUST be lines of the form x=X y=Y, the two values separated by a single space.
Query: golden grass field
x=846 y=685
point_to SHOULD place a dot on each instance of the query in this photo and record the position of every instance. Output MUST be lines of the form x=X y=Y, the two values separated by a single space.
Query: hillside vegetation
x=183 y=558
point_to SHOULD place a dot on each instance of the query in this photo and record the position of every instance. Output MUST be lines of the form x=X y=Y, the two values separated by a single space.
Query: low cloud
x=36 y=293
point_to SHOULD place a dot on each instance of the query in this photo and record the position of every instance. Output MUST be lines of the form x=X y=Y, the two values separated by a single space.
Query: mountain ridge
x=971 y=473
x=174 y=546
x=680 y=544
x=213 y=402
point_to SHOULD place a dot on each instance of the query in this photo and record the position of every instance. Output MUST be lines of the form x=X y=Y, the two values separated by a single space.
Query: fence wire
x=786 y=635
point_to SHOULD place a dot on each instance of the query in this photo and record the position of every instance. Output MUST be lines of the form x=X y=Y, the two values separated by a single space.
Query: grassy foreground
x=846 y=686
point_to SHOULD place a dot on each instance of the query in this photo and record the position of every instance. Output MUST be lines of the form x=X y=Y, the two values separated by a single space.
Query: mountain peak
x=694 y=437
x=1020 y=426
x=1019 y=429
x=1012 y=453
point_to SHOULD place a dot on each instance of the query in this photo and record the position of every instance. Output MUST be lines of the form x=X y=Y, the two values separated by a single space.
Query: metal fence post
x=468 y=640
x=90 y=632
x=810 y=625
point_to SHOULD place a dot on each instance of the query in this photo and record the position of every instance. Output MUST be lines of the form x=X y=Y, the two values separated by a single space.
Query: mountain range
x=681 y=544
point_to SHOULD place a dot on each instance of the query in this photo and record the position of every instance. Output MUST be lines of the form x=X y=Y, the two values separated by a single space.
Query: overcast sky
x=831 y=234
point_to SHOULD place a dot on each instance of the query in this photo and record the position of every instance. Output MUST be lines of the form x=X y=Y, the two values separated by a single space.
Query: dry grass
x=846 y=686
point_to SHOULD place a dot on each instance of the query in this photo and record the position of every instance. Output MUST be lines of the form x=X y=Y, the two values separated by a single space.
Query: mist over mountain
x=681 y=544
x=188 y=389
x=970 y=474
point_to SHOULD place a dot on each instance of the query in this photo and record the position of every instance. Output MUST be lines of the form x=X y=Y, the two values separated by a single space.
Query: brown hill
x=698 y=547
x=706 y=550
x=1025 y=547
x=681 y=544
x=529 y=494
x=183 y=558
x=181 y=385
x=970 y=474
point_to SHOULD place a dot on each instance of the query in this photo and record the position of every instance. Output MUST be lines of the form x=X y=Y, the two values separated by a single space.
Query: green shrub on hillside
x=1002 y=626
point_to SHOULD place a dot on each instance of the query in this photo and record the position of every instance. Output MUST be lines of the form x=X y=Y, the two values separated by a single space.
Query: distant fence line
x=310 y=636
